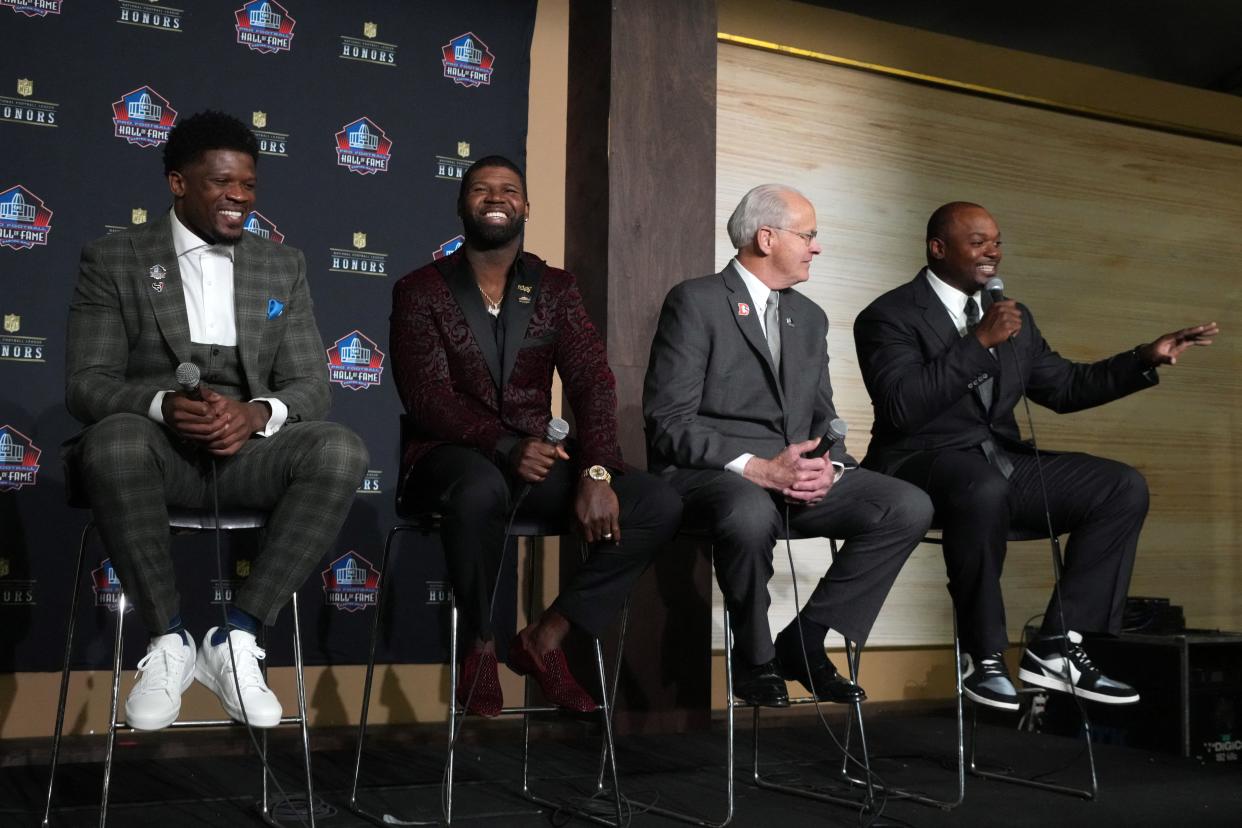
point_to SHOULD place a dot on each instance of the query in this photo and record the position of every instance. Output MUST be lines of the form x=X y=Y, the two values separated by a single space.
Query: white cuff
x=155 y=410
x=738 y=464
x=280 y=413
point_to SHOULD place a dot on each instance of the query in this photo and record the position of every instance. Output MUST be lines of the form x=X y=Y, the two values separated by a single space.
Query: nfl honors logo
x=138 y=215
x=359 y=259
x=369 y=50
x=147 y=14
x=15 y=348
x=24 y=110
x=15 y=592
x=270 y=142
x=452 y=169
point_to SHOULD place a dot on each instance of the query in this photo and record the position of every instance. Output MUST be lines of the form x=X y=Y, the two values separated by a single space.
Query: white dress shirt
x=954 y=302
x=207 y=284
x=759 y=293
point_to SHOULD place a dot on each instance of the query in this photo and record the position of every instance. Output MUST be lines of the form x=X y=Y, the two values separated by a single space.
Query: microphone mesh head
x=187 y=375
x=837 y=429
x=994 y=285
x=558 y=430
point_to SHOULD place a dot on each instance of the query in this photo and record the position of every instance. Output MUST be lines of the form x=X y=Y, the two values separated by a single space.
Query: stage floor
x=191 y=779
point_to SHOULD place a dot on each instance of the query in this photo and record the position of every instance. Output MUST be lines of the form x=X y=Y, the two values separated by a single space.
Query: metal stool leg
x=1068 y=790
x=303 y=722
x=893 y=792
x=121 y=605
x=697 y=819
x=70 y=627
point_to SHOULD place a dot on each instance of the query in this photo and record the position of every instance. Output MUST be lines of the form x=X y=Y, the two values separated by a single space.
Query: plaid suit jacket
x=126 y=338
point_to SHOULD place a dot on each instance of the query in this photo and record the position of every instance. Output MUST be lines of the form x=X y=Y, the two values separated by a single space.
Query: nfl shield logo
x=370 y=29
x=259 y=119
x=463 y=149
x=360 y=240
x=12 y=323
x=243 y=568
x=4 y=567
x=138 y=215
x=25 y=87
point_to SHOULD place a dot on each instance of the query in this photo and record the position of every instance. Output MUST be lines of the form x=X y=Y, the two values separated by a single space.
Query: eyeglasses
x=807 y=237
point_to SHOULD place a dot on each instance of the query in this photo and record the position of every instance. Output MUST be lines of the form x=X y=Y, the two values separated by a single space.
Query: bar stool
x=429 y=523
x=1014 y=535
x=733 y=703
x=180 y=521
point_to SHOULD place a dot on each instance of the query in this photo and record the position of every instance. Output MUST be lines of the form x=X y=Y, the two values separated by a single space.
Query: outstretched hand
x=1166 y=349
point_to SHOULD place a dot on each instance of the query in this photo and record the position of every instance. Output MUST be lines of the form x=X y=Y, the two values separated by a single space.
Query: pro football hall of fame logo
x=350 y=583
x=143 y=117
x=467 y=60
x=355 y=362
x=24 y=219
x=362 y=147
x=264 y=26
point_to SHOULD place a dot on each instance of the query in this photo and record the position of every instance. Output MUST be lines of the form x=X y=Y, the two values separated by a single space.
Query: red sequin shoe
x=487 y=699
x=553 y=677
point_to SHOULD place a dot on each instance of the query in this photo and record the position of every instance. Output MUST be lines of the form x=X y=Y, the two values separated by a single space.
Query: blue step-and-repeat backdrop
x=367 y=112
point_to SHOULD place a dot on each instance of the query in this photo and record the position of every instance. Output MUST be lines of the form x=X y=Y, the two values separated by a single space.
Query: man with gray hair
x=736 y=397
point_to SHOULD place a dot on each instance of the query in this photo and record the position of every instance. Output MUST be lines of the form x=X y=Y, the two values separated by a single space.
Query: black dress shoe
x=760 y=685
x=825 y=682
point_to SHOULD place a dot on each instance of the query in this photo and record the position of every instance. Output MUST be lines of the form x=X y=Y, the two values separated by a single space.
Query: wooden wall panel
x=1114 y=235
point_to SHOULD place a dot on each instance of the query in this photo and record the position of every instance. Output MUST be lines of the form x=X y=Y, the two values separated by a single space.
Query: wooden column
x=640 y=213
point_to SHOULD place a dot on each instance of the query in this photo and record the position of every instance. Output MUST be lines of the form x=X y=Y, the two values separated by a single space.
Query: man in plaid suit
x=194 y=287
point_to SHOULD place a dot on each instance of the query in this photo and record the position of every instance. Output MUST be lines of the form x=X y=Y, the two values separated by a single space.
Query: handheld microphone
x=834 y=434
x=557 y=429
x=188 y=377
x=995 y=288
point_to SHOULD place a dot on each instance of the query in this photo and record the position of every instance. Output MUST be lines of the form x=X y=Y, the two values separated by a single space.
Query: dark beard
x=481 y=236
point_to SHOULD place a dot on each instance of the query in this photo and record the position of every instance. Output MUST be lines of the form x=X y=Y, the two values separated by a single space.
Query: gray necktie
x=772 y=322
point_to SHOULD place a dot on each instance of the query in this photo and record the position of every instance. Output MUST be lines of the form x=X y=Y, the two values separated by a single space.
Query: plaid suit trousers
x=133 y=468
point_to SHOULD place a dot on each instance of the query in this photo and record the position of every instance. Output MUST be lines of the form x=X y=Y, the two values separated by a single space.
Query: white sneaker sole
x=1062 y=686
x=257 y=719
x=977 y=699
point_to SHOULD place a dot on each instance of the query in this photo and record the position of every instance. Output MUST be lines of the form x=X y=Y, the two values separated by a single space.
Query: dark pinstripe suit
x=124 y=343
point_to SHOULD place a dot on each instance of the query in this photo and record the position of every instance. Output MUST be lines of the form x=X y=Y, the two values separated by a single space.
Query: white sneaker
x=163 y=675
x=215 y=670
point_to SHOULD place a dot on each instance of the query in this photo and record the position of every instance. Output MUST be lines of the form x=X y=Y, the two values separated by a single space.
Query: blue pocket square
x=275 y=308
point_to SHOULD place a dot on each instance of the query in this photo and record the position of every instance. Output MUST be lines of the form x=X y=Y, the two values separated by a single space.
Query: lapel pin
x=743 y=309
x=275 y=308
x=158 y=287
x=524 y=288
x=789 y=321
x=157 y=272
x=523 y=299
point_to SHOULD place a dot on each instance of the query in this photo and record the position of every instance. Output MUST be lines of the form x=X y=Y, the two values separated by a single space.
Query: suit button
x=215 y=352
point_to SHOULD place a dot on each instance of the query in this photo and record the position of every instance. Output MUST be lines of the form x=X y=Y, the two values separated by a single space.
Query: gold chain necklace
x=493 y=306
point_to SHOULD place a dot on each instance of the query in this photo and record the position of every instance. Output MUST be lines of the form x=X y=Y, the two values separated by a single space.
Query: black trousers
x=880 y=519
x=474 y=496
x=1100 y=503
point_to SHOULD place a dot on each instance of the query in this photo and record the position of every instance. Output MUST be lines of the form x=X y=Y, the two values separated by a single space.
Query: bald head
x=963 y=245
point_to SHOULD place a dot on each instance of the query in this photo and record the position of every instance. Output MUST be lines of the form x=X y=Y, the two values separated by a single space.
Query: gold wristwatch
x=598 y=473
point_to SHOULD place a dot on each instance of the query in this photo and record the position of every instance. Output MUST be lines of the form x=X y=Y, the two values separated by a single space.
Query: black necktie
x=984 y=389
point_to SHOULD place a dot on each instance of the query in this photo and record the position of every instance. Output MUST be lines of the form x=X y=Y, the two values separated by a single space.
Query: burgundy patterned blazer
x=459 y=384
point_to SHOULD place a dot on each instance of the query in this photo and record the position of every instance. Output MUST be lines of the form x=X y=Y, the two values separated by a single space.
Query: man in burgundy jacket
x=475 y=338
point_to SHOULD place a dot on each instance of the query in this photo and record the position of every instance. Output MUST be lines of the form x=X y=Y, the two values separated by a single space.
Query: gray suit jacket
x=126 y=338
x=712 y=393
